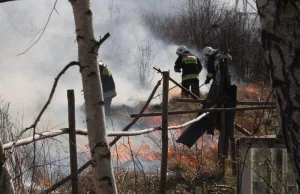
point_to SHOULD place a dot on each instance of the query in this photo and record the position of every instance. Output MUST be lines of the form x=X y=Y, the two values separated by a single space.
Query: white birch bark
x=93 y=95
x=280 y=22
x=6 y=186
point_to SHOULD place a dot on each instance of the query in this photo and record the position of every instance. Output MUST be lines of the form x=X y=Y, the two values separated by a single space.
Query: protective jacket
x=108 y=84
x=211 y=70
x=220 y=91
x=190 y=65
x=214 y=64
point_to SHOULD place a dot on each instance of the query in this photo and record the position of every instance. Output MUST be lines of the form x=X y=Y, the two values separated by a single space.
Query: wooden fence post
x=72 y=141
x=221 y=143
x=164 y=132
x=233 y=155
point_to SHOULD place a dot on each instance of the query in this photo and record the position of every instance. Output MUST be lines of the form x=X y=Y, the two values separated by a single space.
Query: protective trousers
x=107 y=104
x=192 y=85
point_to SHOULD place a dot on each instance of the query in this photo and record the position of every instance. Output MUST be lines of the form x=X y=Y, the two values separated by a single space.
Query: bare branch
x=4 y=1
x=57 y=132
x=140 y=113
x=36 y=137
x=50 y=96
x=191 y=121
x=242 y=129
x=103 y=39
x=43 y=30
x=46 y=105
x=63 y=181
x=98 y=44
x=123 y=133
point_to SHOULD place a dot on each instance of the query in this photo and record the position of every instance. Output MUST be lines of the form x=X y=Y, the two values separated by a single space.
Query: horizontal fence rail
x=237 y=103
x=62 y=131
x=205 y=110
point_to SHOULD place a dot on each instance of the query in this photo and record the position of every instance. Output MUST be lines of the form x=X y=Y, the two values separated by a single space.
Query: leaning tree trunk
x=280 y=22
x=93 y=94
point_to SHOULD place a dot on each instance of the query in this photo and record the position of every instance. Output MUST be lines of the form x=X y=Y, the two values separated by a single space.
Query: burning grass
x=137 y=159
x=265 y=120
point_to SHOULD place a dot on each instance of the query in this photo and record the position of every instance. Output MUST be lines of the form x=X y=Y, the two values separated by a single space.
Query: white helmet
x=180 y=50
x=100 y=62
x=209 y=51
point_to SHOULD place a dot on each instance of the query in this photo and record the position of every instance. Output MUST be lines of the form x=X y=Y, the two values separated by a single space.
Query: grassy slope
x=189 y=169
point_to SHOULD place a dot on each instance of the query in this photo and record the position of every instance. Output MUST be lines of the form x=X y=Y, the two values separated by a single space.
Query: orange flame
x=152 y=121
x=45 y=183
x=146 y=151
x=252 y=90
x=122 y=151
x=175 y=157
x=174 y=93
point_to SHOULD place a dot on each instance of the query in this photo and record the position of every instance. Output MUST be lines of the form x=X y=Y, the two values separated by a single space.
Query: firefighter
x=108 y=85
x=214 y=58
x=220 y=91
x=191 y=67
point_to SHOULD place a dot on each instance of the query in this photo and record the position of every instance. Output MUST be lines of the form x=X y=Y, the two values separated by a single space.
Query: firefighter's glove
x=177 y=70
x=229 y=57
x=207 y=80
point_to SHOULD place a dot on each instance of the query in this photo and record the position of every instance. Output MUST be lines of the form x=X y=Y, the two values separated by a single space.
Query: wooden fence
x=72 y=131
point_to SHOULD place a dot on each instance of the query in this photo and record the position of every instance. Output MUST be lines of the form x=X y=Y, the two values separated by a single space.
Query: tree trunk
x=281 y=42
x=93 y=94
x=4 y=1
x=6 y=186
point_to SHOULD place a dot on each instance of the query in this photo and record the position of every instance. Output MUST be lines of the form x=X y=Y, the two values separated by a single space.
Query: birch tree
x=93 y=95
x=280 y=23
x=6 y=186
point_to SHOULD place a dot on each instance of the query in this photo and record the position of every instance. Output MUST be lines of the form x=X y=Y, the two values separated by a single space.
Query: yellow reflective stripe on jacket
x=190 y=76
x=106 y=72
x=190 y=60
x=210 y=75
x=111 y=93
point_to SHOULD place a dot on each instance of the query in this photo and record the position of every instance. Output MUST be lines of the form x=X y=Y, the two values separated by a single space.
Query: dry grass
x=192 y=170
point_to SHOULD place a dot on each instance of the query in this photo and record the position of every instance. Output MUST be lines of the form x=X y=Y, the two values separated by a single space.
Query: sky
x=27 y=79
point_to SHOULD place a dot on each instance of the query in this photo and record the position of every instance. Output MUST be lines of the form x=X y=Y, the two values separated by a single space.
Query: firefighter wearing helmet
x=221 y=90
x=214 y=58
x=108 y=85
x=191 y=67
